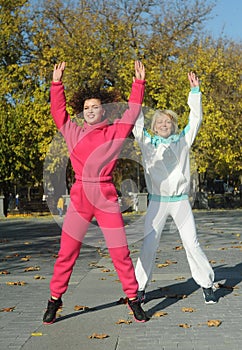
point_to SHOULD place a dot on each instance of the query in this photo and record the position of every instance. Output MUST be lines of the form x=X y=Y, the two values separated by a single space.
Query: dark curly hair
x=104 y=95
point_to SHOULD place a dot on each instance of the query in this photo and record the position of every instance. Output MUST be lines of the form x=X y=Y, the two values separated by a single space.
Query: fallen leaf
x=4 y=240
x=98 y=336
x=18 y=283
x=104 y=255
x=81 y=308
x=160 y=314
x=123 y=321
x=178 y=248
x=32 y=268
x=162 y=265
x=220 y=285
x=179 y=278
x=188 y=309
x=8 y=309
x=106 y=270
x=107 y=256
x=170 y=262
x=26 y=258
x=214 y=323
x=4 y=272
x=212 y=261
x=38 y=277
x=96 y=265
x=185 y=325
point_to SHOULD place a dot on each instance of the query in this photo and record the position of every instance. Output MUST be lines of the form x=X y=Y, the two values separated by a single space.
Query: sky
x=227 y=20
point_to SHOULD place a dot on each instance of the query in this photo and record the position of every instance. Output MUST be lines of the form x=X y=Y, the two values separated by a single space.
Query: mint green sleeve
x=195 y=90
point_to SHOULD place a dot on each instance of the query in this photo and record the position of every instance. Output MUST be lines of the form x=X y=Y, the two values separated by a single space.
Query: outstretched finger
x=62 y=66
x=136 y=65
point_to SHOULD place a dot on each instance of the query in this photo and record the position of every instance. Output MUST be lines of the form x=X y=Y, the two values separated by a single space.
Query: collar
x=100 y=125
x=157 y=140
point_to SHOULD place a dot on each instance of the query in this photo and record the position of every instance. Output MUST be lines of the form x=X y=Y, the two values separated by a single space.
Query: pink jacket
x=94 y=149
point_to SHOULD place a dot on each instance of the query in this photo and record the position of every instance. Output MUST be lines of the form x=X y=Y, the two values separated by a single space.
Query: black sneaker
x=141 y=296
x=209 y=296
x=52 y=308
x=139 y=314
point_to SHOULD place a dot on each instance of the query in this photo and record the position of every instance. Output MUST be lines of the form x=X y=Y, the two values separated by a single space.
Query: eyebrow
x=94 y=105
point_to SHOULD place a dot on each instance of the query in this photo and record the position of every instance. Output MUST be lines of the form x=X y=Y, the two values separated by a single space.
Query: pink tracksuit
x=94 y=151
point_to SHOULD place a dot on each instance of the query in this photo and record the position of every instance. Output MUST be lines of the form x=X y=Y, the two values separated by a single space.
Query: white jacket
x=166 y=161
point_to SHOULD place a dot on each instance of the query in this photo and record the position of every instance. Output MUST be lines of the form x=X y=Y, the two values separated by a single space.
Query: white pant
x=182 y=215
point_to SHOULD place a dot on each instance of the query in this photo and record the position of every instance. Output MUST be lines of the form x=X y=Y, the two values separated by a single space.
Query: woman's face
x=164 y=126
x=93 y=111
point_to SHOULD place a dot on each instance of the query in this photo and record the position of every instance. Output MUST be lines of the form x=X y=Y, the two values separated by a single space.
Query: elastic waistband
x=93 y=179
x=157 y=198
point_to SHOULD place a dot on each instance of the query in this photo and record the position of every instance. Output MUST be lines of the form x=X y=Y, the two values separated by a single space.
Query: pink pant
x=101 y=202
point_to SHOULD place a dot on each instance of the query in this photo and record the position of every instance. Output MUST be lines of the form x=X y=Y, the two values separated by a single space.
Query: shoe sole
x=210 y=302
x=49 y=322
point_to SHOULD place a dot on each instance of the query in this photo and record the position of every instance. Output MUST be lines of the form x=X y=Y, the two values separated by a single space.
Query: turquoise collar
x=157 y=140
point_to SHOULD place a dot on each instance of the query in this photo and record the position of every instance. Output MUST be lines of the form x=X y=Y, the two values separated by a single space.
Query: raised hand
x=58 y=71
x=139 y=70
x=193 y=79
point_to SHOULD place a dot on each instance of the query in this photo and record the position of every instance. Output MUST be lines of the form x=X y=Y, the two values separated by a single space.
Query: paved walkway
x=179 y=316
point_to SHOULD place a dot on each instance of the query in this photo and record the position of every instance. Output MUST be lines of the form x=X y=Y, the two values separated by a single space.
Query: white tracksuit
x=167 y=173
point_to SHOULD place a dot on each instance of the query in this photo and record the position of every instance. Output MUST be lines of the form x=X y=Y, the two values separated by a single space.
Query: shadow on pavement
x=232 y=275
x=91 y=309
x=174 y=292
x=171 y=294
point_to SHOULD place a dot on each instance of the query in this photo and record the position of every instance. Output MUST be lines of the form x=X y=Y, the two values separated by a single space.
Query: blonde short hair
x=165 y=112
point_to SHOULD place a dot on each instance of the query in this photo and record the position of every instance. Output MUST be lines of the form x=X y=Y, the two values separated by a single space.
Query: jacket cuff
x=138 y=81
x=195 y=90
x=56 y=83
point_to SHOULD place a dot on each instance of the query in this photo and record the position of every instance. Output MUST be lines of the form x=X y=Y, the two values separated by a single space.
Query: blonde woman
x=167 y=171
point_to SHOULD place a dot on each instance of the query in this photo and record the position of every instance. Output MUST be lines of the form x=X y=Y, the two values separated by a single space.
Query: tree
x=218 y=147
x=26 y=127
x=100 y=40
